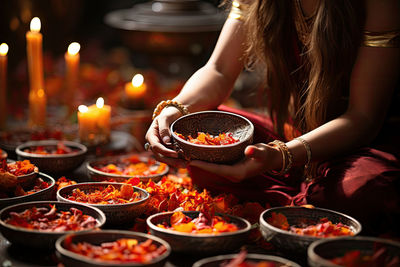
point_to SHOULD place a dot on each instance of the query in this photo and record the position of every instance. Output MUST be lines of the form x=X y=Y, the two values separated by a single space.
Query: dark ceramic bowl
x=214 y=123
x=42 y=239
x=58 y=163
x=287 y=241
x=200 y=243
x=69 y=258
x=97 y=175
x=319 y=252
x=25 y=180
x=218 y=261
x=45 y=194
x=116 y=213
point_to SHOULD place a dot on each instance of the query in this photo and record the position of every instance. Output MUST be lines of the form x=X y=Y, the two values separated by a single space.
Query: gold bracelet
x=166 y=103
x=287 y=157
x=308 y=150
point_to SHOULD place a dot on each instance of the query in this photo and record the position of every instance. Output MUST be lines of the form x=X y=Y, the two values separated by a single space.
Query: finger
x=164 y=131
x=156 y=145
x=233 y=173
x=178 y=163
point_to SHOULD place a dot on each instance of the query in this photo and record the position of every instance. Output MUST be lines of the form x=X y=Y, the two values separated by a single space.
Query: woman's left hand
x=259 y=158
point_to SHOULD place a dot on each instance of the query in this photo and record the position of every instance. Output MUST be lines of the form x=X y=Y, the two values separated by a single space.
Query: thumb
x=256 y=152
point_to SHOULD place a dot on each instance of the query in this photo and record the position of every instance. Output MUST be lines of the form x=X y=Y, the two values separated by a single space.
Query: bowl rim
x=63 y=199
x=154 y=227
x=40 y=174
x=211 y=112
x=19 y=149
x=63 y=251
x=113 y=175
x=99 y=222
x=264 y=223
x=312 y=255
x=250 y=256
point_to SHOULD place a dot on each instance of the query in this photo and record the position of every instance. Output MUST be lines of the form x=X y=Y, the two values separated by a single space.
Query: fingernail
x=166 y=140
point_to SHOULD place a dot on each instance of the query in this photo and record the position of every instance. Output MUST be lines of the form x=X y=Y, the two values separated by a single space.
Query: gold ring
x=147 y=146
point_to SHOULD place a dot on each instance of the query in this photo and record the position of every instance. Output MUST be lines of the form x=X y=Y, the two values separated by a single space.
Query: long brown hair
x=325 y=65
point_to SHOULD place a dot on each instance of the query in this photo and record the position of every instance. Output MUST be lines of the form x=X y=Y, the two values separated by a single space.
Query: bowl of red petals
x=16 y=173
x=295 y=228
x=194 y=232
x=120 y=202
x=213 y=136
x=39 y=224
x=53 y=156
x=122 y=168
x=112 y=248
x=41 y=188
x=243 y=259
x=355 y=251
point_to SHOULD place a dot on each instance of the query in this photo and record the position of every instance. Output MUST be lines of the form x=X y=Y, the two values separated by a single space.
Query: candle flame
x=3 y=49
x=40 y=93
x=83 y=109
x=137 y=80
x=74 y=48
x=100 y=102
x=35 y=24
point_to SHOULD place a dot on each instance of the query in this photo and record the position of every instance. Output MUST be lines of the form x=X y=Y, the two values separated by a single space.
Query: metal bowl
x=319 y=252
x=200 y=243
x=69 y=258
x=291 y=242
x=42 y=239
x=116 y=214
x=214 y=123
x=58 y=163
x=45 y=194
x=218 y=261
x=98 y=175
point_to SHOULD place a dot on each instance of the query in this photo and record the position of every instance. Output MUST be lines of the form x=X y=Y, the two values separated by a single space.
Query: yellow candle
x=103 y=120
x=3 y=84
x=136 y=89
x=94 y=123
x=37 y=95
x=72 y=72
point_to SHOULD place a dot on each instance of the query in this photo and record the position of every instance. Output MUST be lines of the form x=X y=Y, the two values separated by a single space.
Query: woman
x=331 y=69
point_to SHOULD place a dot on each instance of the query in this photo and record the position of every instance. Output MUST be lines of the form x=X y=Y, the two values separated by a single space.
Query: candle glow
x=3 y=49
x=74 y=48
x=83 y=109
x=100 y=102
x=137 y=80
x=35 y=24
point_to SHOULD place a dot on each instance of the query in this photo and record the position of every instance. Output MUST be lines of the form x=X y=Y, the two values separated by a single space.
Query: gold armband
x=382 y=39
x=287 y=158
x=168 y=103
x=236 y=10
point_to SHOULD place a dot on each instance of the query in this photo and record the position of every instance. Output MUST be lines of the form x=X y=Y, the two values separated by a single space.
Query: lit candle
x=103 y=120
x=94 y=123
x=3 y=84
x=137 y=88
x=72 y=72
x=37 y=95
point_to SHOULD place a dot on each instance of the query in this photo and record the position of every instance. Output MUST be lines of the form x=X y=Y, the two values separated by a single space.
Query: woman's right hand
x=159 y=137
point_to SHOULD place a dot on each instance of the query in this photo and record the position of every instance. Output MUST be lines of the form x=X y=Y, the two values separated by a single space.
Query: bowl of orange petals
x=53 y=156
x=194 y=232
x=213 y=136
x=122 y=168
x=112 y=248
x=39 y=224
x=243 y=259
x=295 y=228
x=41 y=188
x=16 y=173
x=121 y=203
x=356 y=251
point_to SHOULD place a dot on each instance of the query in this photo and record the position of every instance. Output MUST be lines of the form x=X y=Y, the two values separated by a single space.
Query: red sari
x=364 y=184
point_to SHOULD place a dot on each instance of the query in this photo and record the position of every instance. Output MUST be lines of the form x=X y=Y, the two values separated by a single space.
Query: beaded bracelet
x=166 y=103
x=287 y=157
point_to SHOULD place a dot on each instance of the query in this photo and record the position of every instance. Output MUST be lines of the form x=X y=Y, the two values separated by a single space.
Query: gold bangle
x=167 y=103
x=287 y=157
x=236 y=11
x=308 y=150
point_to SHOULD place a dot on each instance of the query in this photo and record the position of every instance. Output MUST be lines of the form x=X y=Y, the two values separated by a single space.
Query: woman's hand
x=259 y=159
x=159 y=137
